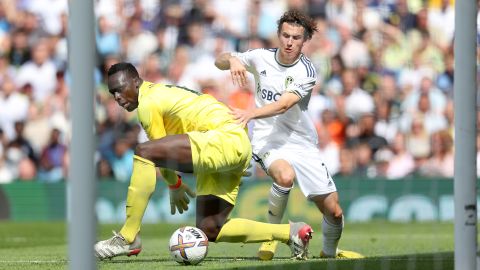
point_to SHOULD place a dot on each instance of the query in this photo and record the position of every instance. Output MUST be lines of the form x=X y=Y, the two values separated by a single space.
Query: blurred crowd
x=383 y=104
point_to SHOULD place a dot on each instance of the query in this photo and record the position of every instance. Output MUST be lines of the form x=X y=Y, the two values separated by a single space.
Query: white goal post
x=465 y=177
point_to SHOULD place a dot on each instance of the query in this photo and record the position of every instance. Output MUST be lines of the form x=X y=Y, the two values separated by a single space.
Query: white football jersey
x=294 y=128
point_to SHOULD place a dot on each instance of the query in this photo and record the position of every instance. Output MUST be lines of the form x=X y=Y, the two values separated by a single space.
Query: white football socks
x=277 y=202
x=331 y=236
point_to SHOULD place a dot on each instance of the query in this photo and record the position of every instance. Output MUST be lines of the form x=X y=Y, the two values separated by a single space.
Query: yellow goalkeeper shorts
x=220 y=157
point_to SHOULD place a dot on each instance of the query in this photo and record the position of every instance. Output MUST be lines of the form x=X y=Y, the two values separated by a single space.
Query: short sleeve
x=301 y=86
x=247 y=58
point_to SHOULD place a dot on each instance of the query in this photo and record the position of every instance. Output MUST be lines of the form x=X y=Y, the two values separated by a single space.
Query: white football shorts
x=311 y=171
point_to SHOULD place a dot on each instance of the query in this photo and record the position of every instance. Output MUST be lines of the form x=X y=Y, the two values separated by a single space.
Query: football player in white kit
x=284 y=137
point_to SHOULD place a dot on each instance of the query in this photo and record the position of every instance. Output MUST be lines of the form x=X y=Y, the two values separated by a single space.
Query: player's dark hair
x=127 y=67
x=300 y=18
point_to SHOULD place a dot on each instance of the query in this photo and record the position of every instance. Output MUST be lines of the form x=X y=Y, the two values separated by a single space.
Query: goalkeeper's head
x=124 y=83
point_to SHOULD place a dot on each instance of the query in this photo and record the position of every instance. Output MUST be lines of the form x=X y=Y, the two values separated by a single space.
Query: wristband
x=178 y=184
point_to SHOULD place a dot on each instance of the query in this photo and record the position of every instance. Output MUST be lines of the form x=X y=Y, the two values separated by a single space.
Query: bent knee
x=282 y=173
x=284 y=178
x=145 y=150
x=338 y=214
x=210 y=228
x=335 y=216
x=141 y=150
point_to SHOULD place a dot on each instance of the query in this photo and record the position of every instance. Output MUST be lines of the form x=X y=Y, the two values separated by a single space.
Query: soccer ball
x=188 y=245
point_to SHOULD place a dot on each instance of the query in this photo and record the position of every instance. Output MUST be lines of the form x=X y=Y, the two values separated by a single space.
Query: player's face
x=291 y=39
x=124 y=89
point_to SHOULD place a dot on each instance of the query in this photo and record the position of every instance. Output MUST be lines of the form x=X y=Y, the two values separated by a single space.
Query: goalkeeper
x=192 y=133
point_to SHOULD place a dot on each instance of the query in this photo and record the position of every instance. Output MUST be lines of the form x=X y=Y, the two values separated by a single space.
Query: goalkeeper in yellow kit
x=191 y=133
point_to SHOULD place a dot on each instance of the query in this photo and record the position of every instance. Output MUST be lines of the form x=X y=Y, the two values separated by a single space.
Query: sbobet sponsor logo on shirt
x=269 y=95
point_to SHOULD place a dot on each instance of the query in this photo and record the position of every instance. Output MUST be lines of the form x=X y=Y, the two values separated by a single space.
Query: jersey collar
x=145 y=85
x=284 y=65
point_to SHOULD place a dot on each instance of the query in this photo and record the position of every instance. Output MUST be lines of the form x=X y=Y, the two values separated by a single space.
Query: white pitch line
x=35 y=261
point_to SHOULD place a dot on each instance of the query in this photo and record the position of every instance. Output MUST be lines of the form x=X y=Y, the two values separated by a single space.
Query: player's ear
x=138 y=82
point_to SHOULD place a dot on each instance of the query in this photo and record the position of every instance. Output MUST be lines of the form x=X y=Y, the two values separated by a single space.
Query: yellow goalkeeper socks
x=142 y=185
x=240 y=230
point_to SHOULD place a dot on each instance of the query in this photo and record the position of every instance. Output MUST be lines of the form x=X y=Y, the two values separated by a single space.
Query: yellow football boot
x=267 y=250
x=344 y=254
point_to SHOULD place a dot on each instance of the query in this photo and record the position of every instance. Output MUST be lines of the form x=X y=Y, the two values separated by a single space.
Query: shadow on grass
x=213 y=259
x=115 y=261
x=426 y=261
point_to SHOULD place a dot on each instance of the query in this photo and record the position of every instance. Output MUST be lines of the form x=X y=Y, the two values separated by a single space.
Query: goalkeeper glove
x=178 y=196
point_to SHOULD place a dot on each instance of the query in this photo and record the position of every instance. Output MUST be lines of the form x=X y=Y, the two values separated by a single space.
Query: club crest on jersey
x=288 y=81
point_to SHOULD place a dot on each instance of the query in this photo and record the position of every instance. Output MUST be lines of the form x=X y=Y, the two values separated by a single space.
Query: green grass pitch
x=388 y=246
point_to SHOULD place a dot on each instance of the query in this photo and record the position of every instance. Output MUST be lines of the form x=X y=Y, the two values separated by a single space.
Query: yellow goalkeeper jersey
x=167 y=110
x=221 y=149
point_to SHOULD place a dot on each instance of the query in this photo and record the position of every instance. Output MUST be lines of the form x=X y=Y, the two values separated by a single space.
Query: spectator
x=13 y=107
x=242 y=98
x=230 y=17
x=104 y=170
x=151 y=69
x=365 y=133
x=317 y=104
x=121 y=162
x=329 y=150
x=7 y=14
x=20 y=142
x=445 y=79
x=363 y=160
x=37 y=127
x=353 y=51
x=418 y=142
x=347 y=163
x=52 y=159
x=441 y=162
x=402 y=163
x=49 y=13
x=382 y=159
x=341 y=12
x=6 y=174
x=357 y=101
x=433 y=121
x=429 y=53
x=57 y=104
x=394 y=50
x=333 y=125
x=20 y=51
x=386 y=124
x=29 y=23
x=27 y=170
x=437 y=99
x=401 y=17
x=139 y=42
x=333 y=85
x=13 y=156
x=441 y=22
x=107 y=38
x=40 y=72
